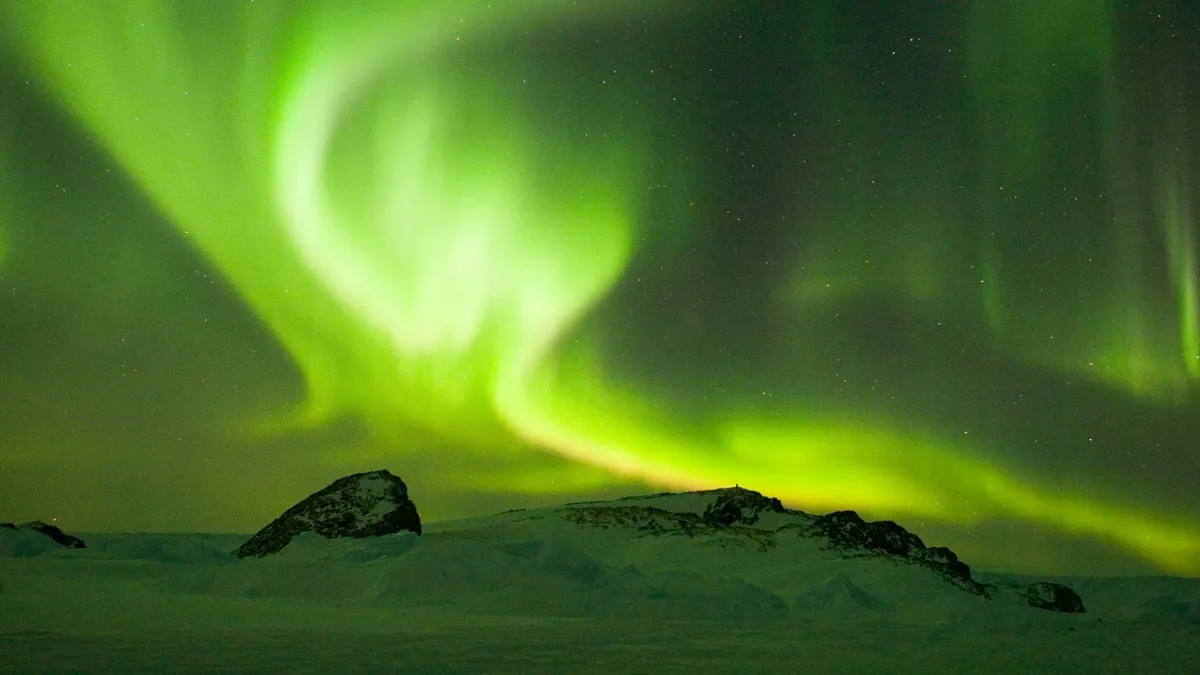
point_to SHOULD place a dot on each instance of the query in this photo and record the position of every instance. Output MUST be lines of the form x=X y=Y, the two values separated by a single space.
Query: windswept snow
x=635 y=585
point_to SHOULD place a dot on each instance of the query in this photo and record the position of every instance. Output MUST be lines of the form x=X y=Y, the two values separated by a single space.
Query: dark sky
x=936 y=262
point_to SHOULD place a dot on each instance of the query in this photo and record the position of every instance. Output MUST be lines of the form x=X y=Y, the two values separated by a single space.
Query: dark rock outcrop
x=654 y=522
x=730 y=518
x=58 y=536
x=848 y=533
x=847 y=530
x=740 y=506
x=852 y=536
x=645 y=520
x=368 y=504
x=1053 y=597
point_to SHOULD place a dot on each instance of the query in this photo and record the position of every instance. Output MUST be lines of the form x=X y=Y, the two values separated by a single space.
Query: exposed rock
x=651 y=521
x=642 y=519
x=741 y=506
x=847 y=530
x=731 y=516
x=1053 y=597
x=58 y=536
x=368 y=504
x=849 y=534
x=944 y=561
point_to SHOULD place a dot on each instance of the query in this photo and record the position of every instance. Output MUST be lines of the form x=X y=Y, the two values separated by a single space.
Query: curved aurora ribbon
x=455 y=243
x=423 y=245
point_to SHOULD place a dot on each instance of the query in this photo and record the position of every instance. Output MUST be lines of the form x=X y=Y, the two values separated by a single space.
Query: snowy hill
x=710 y=581
x=34 y=538
x=778 y=553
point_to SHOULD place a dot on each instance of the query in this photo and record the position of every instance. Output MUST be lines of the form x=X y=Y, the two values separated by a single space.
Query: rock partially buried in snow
x=368 y=504
x=52 y=532
x=740 y=506
x=849 y=533
x=1053 y=597
x=737 y=515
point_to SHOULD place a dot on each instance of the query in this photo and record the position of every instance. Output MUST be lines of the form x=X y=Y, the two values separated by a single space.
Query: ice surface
x=544 y=591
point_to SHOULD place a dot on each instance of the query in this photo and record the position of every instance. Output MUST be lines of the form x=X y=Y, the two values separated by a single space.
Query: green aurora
x=935 y=265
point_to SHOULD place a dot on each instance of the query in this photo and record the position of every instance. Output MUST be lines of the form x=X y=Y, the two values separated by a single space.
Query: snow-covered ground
x=616 y=587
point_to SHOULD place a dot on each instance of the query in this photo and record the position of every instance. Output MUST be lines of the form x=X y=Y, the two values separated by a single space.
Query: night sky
x=936 y=262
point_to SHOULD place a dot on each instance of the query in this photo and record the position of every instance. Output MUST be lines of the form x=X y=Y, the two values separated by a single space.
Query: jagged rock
x=731 y=517
x=944 y=561
x=1054 y=597
x=368 y=504
x=739 y=505
x=849 y=533
x=58 y=536
x=846 y=529
x=651 y=521
x=641 y=519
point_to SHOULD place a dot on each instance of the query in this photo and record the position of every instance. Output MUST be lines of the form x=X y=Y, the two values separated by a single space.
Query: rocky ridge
x=733 y=517
x=53 y=532
x=370 y=504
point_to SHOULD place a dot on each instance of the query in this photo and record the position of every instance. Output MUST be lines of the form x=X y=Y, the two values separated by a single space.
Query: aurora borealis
x=938 y=264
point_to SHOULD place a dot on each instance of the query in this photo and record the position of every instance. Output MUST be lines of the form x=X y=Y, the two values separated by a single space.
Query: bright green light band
x=384 y=195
